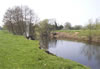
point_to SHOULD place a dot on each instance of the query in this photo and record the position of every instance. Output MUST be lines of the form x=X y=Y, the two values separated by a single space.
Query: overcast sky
x=78 y=12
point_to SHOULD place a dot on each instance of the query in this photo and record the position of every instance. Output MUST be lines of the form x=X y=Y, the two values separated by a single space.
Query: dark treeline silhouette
x=45 y=27
x=68 y=26
x=58 y=27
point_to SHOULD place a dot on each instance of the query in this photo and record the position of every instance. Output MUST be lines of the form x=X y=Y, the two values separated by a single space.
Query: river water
x=86 y=54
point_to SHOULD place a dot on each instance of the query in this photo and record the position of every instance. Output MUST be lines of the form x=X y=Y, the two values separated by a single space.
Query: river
x=86 y=54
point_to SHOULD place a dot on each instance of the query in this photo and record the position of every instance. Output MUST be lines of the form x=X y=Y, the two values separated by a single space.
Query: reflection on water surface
x=83 y=53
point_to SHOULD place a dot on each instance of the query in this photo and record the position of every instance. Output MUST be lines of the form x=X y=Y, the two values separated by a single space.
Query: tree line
x=90 y=25
x=21 y=20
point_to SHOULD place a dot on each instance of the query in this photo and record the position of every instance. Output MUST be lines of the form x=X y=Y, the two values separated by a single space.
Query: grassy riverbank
x=85 y=35
x=16 y=52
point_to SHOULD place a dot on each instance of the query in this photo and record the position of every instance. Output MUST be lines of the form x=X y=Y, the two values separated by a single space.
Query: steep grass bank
x=16 y=52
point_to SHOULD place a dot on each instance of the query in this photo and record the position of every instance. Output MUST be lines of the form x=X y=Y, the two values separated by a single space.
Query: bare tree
x=8 y=20
x=20 y=20
x=90 y=30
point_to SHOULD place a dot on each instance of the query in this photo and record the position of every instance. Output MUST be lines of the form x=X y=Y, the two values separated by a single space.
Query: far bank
x=80 y=35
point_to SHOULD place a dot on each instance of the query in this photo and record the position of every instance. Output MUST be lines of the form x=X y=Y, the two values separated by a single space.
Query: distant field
x=82 y=32
x=71 y=31
x=16 y=52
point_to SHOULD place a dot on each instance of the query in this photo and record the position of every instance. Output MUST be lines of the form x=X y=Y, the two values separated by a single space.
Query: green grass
x=82 y=32
x=16 y=52
x=69 y=31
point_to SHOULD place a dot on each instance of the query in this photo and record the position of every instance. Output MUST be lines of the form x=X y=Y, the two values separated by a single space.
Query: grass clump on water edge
x=16 y=52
